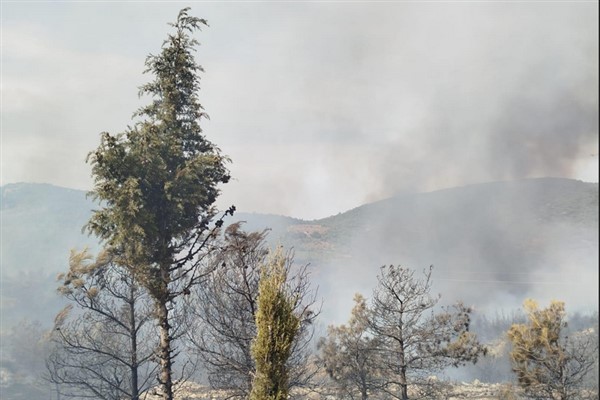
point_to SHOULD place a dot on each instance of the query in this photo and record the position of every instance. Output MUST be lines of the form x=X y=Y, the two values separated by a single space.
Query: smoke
x=326 y=106
x=498 y=97
x=345 y=103
x=508 y=105
x=408 y=97
x=492 y=245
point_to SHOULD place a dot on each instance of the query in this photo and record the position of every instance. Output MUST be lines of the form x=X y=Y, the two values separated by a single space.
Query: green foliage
x=277 y=326
x=158 y=179
x=224 y=312
x=157 y=182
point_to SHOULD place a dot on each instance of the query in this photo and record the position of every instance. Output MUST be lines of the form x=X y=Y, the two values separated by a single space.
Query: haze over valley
x=492 y=245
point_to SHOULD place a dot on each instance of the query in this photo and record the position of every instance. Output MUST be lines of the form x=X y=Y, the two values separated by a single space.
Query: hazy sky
x=322 y=106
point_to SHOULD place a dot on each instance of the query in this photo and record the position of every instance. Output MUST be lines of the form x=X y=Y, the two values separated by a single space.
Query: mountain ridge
x=17 y=185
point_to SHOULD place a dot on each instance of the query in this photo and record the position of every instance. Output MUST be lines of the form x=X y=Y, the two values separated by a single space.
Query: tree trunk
x=363 y=393
x=402 y=362
x=164 y=350
x=135 y=393
x=363 y=385
x=403 y=383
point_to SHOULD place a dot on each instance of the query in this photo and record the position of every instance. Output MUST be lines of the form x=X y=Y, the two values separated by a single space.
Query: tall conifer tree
x=157 y=183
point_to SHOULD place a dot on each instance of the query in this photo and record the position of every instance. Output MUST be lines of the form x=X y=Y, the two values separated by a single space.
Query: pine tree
x=350 y=354
x=547 y=362
x=157 y=183
x=277 y=325
x=415 y=340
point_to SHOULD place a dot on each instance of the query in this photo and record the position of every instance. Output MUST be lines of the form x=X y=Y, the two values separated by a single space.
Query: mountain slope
x=490 y=243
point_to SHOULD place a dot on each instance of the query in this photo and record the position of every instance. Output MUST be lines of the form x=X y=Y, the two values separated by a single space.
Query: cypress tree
x=277 y=325
x=158 y=181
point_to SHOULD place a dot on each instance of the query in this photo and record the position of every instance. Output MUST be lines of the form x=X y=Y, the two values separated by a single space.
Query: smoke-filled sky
x=322 y=106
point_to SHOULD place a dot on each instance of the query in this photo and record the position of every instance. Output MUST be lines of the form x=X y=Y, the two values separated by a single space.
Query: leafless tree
x=104 y=340
x=224 y=310
x=416 y=341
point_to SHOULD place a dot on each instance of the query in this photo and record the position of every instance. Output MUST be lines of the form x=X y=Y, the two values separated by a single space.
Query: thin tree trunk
x=135 y=393
x=403 y=383
x=363 y=393
x=164 y=350
x=402 y=361
x=363 y=384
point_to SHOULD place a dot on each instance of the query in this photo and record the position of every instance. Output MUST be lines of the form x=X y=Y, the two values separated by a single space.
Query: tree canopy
x=548 y=362
x=276 y=328
x=157 y=183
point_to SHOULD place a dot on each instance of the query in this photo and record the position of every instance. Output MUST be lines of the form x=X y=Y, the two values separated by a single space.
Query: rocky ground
x=464 y=390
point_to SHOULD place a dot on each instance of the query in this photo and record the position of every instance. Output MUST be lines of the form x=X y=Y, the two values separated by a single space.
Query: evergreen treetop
x=158 y=180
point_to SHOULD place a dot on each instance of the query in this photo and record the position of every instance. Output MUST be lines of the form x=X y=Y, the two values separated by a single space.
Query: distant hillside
x=488 y=242
x=485 y=218
x=41 y=223
x=491 y=244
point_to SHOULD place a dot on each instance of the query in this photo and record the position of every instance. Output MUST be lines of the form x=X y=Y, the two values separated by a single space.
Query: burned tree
x=415 y=340
x=103 y=342
x=350 y=354
x=224 y=309
x=550 y=364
